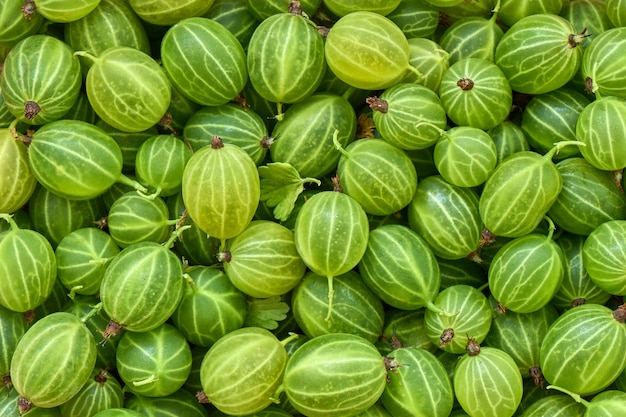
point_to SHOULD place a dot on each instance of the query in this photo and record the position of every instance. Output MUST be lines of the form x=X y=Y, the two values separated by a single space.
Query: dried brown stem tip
x=103 y=222
x=295 y=7
x=395 y=342
x=24 y=405
x=101 y=377
x=537 y=376
x=465 y=83
x=28 y=8
x=472 y=348
x=475 y=257
x=266 y=142
x=618 y=176
x=500 y=309
x=446 y=337
x=588 y=85
x=323 y=30
x=377 y=104
x=6 y=381
x=31 y=110
x=487 y=238
x=620 y=313
x=391 y=364
x=166 y=122
x=202 y=398
x=242 y=101
x=182 y=220
x=575 y=39
x=112 y=329
x=364 y=127
x=336 y=186
x=225 y=256
x=29 y=316
x=216 y=142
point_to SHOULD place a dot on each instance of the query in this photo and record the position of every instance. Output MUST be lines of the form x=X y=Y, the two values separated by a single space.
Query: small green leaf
x=281 y=185
x=266 y=312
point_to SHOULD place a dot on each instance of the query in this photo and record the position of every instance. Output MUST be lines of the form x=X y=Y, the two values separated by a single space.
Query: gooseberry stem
x=9 y=219
x=551 y=227
x=87 y=55
x=417 y=73
x=152 y=378
x=72 y=293
x=560 y=145
x=150 y=196
x=276 y=397
x=494 y=11
x=279 y=115
x=338 y=145
x=331 y=294
x=123 y=179
x=94 y=310
x=441 y=131
x=292 y=336
x=100 y=261
x=432 y=307
x=175 y=235
x=349 y=91
x=575 y=397
x=13 y=126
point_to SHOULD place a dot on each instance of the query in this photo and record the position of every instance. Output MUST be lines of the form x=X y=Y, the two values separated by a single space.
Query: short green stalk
x=149 y=380
x=331 y=295
x=9 y=219
x=417 y=73
x=87 y=55
x=173 y=222
x=123 y=179
x=560 y=145
x=574 y=396
x=349 y=91
x=189 y=280
x=338 y=145
x=13 y=127
x=292 y=336
x=176 y=234
x=279 y=112
x=100 y=261
x=432 y=307
x=442 y=132
x=276 y=397
x=551 y=227
x=150 y=196
x=72 y=293
x=95 y=309
x=494 y=11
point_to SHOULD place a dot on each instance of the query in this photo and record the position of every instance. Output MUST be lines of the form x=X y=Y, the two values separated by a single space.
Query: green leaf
x=266 y=312
x=281 y=185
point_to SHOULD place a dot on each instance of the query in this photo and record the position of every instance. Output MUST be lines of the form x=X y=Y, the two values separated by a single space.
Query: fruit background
x=319 y=208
